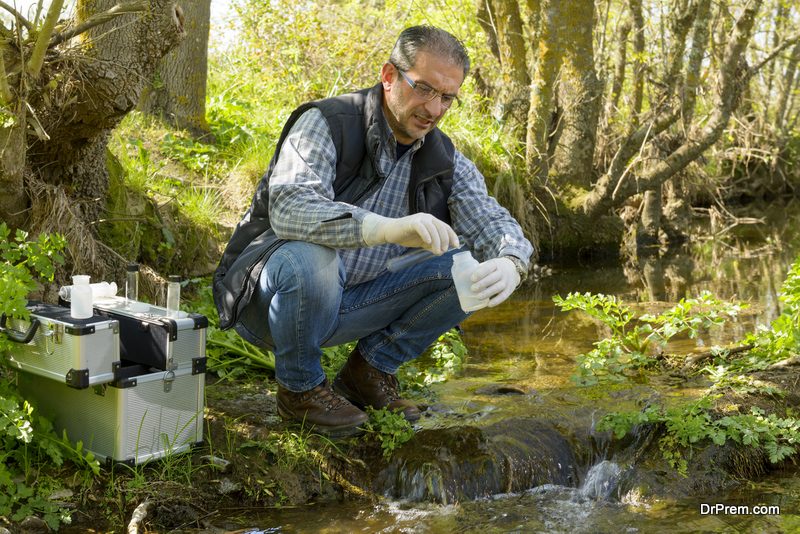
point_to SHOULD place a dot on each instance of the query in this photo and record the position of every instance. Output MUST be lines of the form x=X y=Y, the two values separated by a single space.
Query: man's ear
x=388 y=73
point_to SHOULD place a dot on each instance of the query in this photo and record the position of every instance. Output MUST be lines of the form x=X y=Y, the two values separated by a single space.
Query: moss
x=123 y=227
x=160 y=236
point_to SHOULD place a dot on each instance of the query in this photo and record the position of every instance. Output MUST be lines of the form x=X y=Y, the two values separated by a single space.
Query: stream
x=521 y=357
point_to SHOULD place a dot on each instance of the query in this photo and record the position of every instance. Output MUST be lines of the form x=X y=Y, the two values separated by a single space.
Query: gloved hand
x=420 y=230
x=496 y=279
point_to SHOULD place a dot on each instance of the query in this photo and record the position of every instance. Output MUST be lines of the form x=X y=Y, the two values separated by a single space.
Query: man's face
x=410 y=116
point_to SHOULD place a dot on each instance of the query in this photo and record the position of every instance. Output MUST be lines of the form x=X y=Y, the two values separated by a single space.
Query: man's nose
x=434 y=107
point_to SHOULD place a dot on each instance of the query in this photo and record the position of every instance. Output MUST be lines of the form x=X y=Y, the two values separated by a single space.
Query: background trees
x=628 y=96
x=577 y=112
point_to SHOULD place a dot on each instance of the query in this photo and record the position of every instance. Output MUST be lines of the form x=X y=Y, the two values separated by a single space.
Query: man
x=355 y=181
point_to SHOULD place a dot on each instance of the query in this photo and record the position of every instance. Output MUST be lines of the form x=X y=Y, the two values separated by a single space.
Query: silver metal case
x=76 y=352
x=131 y=421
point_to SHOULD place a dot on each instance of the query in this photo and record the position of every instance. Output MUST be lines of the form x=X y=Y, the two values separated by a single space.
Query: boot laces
x=329 y=398
x=389 y=385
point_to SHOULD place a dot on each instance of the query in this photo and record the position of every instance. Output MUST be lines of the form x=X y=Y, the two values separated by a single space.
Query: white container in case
x=132 y=421
x=76 y=352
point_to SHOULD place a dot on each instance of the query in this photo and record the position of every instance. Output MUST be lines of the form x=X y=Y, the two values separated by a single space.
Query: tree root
x=53 y=211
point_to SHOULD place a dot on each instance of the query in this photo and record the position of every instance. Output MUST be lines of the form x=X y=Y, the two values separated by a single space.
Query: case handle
x=17 y=336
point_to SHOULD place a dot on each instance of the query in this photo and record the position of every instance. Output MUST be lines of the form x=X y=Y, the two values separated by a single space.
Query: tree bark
x=177 y=93
x=781 y=114
x=486 y=18
x=638 y=61
x=514 y=91
x=549 y=55
x=579 y=96
x=13 y=199
x=700 y=35
x=778 y=23
x=619 y=71
x=65 y=102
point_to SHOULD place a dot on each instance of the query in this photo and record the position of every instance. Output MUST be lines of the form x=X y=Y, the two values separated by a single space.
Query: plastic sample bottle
x=463 y=267
x=132 y=282
x=80 y=304
x=99 y=290
x=173 y=295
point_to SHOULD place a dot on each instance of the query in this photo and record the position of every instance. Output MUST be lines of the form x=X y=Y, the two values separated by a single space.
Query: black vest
x=359 y=132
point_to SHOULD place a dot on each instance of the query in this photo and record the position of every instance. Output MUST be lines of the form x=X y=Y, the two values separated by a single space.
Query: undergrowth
x=631 y=349
x=32 y=453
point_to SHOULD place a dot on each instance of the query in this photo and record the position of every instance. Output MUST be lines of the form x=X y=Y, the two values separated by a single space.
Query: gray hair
x=427 y=39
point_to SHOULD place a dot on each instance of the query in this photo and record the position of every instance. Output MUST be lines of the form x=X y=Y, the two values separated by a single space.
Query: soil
x=252 y=461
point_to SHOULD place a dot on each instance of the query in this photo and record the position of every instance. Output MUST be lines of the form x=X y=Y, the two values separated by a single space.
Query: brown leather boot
x=321 y=407
x=363 y=385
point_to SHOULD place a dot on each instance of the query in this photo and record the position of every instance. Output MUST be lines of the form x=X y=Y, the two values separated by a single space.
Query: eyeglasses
x=428 y=93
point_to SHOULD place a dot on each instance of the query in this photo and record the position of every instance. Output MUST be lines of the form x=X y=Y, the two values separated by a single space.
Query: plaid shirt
x=301 y=205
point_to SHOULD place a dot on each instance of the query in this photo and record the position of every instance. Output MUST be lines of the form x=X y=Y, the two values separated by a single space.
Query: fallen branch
x=693 y=359
x=139 y=515
x=788 y=362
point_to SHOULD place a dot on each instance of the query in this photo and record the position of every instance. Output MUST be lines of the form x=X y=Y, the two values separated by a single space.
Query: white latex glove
x=421 y=230
x=495 y=279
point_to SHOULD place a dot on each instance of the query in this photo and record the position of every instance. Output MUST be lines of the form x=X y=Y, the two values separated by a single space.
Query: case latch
x=169 y=378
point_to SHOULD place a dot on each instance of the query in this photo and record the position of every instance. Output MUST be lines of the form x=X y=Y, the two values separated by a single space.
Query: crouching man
x=357 y=180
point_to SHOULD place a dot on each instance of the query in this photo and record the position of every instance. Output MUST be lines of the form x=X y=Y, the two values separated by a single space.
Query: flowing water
x=522 y=354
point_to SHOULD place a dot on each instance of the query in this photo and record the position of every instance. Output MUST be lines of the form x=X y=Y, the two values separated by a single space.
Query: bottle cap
x=133 y=267
x=174 y=278
x=80 y=279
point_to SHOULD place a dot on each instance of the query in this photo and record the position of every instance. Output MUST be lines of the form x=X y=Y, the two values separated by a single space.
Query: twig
x=694 y=359
x=139 y=515
x=116 y=219
x=780 y=48
x=133 y=6
x=17 y=15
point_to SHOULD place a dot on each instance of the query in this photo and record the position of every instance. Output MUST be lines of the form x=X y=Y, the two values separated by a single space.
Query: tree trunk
x=700 y=34
x=177 y=93
x=549 y=57
x=486 y=18
x=619 y=71
x=638 y=61
x=579 y=96
x=778 y=24
x=647 y=234
x=615 y=187
x=514 y=94
x=533 y=24
x=13 y=115
x=781 y=114
x=79 y=96
x=113 y=69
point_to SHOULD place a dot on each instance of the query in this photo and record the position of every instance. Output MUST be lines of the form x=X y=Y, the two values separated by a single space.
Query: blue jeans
x=301 y=305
